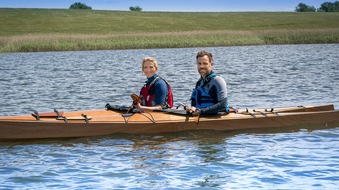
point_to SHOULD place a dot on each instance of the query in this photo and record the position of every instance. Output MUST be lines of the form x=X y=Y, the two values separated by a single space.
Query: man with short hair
x=210 y=94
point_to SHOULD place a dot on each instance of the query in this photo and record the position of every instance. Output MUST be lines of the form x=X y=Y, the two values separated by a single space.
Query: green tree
x=304 y=8
x=329 y=7
x=135 y=8
x=79 y=5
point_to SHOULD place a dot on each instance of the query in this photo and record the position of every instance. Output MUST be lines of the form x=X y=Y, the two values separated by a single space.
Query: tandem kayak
x=88 y=123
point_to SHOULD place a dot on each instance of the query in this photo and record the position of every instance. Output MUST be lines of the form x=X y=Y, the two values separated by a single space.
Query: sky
x=170 y=5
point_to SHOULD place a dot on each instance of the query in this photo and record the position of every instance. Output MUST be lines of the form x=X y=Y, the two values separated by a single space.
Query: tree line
x=324 y=7
x=302 y=7
x=79 y=5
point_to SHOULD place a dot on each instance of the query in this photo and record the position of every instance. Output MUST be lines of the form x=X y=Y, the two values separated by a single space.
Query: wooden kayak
x=105 y=122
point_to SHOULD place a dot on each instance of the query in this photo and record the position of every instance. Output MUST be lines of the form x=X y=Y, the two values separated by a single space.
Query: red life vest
x=147 y=99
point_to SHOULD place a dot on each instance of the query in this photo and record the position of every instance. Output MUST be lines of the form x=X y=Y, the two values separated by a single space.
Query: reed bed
x=71 y=42
x=31 y=30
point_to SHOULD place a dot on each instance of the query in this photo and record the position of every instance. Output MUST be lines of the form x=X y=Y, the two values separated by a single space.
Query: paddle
x=136 y=100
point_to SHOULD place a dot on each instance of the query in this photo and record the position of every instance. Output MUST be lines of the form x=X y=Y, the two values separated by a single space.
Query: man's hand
x=193 y=110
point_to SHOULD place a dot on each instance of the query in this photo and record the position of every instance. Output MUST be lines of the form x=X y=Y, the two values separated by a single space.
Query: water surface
x=257 y=76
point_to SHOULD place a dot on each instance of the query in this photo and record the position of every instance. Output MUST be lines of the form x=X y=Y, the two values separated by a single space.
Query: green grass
x=55 y=30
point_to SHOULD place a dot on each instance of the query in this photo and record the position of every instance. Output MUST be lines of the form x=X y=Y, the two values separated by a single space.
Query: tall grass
x=28 y=30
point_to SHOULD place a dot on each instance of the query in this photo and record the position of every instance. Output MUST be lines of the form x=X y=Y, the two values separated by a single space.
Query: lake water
x=257 y=76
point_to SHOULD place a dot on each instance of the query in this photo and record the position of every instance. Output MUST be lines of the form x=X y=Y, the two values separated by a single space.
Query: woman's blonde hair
x=151 y=59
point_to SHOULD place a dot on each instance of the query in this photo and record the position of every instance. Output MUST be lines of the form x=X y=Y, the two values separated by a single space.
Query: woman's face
x=149 y=69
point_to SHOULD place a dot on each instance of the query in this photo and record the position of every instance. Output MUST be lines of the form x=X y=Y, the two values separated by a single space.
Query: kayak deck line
x=82 y=117
x=127 y=116
x=55 y=114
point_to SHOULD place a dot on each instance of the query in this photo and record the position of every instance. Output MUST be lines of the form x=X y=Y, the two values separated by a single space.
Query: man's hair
x=203 y=53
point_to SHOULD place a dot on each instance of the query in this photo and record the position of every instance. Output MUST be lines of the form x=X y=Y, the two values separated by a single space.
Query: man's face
x=204 y=66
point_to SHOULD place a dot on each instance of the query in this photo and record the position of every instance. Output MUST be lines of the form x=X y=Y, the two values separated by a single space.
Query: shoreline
x=39 y=30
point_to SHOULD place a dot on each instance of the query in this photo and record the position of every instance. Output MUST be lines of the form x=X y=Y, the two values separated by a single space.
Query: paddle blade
x=136 y=99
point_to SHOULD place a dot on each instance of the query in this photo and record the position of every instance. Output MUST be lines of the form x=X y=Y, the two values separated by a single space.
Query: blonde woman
x=156 y=94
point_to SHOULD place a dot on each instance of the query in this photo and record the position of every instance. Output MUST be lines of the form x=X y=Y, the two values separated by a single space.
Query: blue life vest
x=201 y=98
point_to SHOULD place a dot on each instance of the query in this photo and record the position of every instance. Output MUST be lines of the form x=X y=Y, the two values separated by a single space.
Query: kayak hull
x=103 y=122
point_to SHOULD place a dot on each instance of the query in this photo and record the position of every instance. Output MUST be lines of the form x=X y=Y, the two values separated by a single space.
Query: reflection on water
x=257 y=76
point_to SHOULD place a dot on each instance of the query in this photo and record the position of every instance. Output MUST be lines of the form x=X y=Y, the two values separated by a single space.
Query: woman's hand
x=138 y=105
